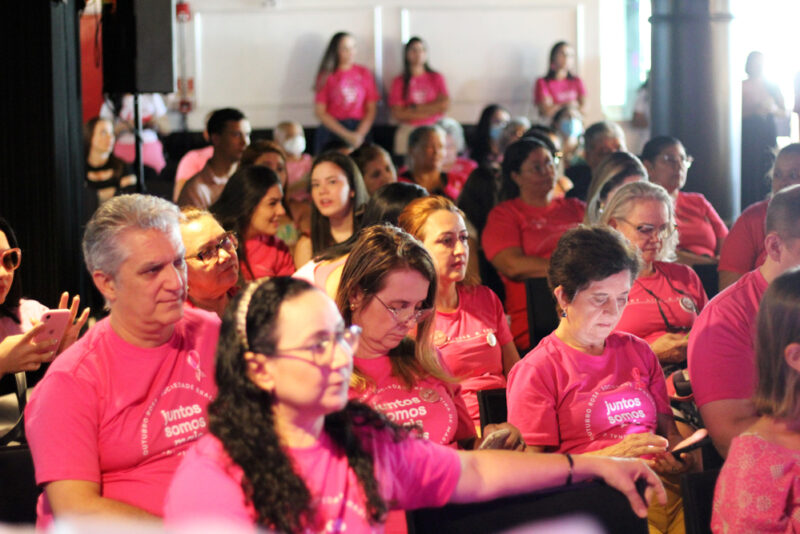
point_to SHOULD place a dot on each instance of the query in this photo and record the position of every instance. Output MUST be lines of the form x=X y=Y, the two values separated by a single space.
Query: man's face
x=235 y=137
x=601 y=148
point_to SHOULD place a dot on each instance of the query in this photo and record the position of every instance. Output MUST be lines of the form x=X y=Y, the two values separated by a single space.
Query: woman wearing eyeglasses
x=288 y=453
x=19 y=317
x=522 y=231
x=251 y=206
x=212 y=266
x=666 y=297
x=700 y=227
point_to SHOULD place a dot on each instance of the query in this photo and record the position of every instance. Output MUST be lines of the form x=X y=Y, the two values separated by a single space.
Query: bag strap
x=17 y=432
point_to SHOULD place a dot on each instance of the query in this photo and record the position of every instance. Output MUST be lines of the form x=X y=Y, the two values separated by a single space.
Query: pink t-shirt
x=413 y=473
x=190 y=164
x=422 y=89
x=123 y=416
x=562 y=398
x=296 y=171
x=436 y=406
x=743 y=250
x=345 y=93
x=27 y=312
x=679 y=291
x=758 y=489
x=470 y=340
x=267 y=256
x=458 y=174
x=700 y=228
x=721 y=353
x=536 y=231
x=561 y=91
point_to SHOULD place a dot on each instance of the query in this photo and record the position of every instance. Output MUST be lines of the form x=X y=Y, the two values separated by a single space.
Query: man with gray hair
x=115 y=413
x=599 y=140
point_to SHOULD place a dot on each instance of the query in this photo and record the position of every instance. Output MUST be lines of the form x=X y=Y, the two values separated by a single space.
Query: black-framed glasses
x=685 y=161
x=11 y=259
x=648 y=230
x=323 y=349
x=417 y=315
x=207 y=255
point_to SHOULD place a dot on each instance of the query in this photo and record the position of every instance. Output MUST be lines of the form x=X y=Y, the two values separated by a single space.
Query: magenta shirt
x=561 y=91
x=346 y=92
x=564 y=399
x=422 y=89
x=721 y=354
x=743 y=249
x=700 y=228
x=267 y=256
x=412 y=473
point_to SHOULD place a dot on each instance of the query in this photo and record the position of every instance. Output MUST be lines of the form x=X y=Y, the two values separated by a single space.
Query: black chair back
x=492 y=406
x=698 y=496
x=542 y=316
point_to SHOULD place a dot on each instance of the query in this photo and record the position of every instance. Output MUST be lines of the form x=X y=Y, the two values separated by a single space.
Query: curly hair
x=242 y=417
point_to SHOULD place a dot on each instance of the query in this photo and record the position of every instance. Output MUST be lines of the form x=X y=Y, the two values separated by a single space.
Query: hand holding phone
x=695 y=441
x=54 y=325
x=495 y=440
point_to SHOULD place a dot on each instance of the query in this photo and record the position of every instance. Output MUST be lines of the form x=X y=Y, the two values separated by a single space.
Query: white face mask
x=295 y=146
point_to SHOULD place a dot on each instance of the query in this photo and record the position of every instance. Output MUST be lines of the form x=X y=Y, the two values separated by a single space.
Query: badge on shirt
x=688 y=305
x=491 y=339
x=439 y=338
x=428 y=395
x=194 y=362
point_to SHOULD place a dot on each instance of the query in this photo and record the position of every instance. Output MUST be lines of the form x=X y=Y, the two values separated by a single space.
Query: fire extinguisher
x=183 y=14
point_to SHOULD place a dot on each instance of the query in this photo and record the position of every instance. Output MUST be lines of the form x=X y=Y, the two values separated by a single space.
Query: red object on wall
x=91 y=66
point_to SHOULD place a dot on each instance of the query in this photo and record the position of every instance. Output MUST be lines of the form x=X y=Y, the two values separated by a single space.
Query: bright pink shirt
x=562 y=398
x=758 y=489
x=721 y=354
x=679 y=291
x=296 y=170
x=561 y=91
x=190 y=164
x=470 y=340
x=413 y=473
x=123 y=416
x=422 y=89
x=435 y=405
x=536 y=231
x=346 y=92
x=458 y=174
x=744 y=250
x=267 y=256
x=28 y=311
x=700 y=228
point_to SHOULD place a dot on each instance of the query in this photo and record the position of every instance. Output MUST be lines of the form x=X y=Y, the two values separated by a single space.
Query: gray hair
x=623 y=201
x=600 y=130
x=615 y=168
x=101 y=249
x=454 y=129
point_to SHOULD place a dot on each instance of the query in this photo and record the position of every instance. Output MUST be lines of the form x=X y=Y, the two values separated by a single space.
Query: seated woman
x=484 y=147
x=700 y=228
x=743 y=249
x=418 y=96
x=375 y=165
x=212 y=266
x=106 y=174
x=757 y=487
x=666 y=297
x=568 y=122
x=470 y=327
x=251 y=206
x=457 y=166
x=287 y=452
x=425 y=159
x=20 y=318
x=522 y=231
x=588 y=389
x=338 y=196
x=616 y=170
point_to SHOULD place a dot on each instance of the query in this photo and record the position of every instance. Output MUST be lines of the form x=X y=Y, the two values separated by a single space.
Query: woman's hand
x=513 y=441
x=74 y=330
x=23 y=353
x=634 y=446
x=667 y=464
x=622 y=474
x=671 y=348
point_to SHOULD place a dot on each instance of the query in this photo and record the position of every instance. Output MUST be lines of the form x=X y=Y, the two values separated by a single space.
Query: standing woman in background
x=417 y=97
x=559 y=86
x=345 y=95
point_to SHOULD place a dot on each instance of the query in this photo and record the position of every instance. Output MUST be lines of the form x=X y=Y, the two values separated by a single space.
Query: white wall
x=262 y=55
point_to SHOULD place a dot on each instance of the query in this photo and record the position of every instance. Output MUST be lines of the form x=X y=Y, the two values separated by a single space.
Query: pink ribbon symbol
x=194 y=362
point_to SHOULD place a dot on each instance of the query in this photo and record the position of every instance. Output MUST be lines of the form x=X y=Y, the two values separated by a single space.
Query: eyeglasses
x=543 y=168
x=228 y=241
x=672 y=160
x=323 y=350
x=648 y=230
x=11 y=259
x=417 y=315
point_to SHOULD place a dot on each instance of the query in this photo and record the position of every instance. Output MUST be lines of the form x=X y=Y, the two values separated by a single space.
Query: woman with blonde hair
x=616 y=170
x=470 y=327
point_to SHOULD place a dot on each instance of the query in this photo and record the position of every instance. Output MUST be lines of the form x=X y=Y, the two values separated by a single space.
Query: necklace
x=686 y=302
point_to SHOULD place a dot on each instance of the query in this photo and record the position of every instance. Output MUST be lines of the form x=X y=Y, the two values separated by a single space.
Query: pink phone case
x=55 y=324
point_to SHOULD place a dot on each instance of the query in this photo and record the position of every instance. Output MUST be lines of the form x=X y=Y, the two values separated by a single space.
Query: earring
x=564 y=314
x=352 y=307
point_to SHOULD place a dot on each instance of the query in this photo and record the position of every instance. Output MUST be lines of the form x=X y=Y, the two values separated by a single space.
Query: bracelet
x=571 y=467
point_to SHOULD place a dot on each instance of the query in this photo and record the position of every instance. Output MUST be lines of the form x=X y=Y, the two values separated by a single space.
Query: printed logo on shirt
x=616 y=410
x=174 y=418
x=422 y=406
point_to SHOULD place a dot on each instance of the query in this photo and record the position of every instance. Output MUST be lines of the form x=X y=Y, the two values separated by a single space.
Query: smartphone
x=696 y=445
x=496 y=439
x=55 y=325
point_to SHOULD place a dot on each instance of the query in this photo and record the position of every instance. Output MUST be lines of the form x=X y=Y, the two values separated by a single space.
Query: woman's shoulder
x=673 y=270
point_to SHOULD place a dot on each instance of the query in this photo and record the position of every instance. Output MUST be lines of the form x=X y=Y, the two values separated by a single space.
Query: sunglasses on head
x=11 y=258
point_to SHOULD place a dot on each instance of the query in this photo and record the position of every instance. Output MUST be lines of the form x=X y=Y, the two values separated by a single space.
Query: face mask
x=295 y=146
x=572 y=127
x=496 y=131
